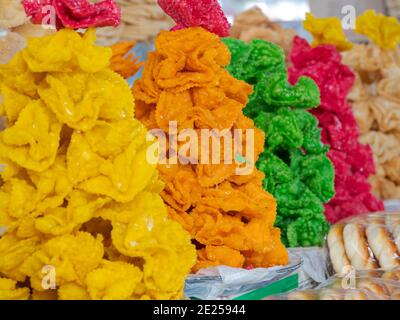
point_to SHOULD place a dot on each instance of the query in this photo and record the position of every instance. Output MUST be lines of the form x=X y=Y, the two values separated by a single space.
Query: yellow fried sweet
x=22 y=201
x=79 y=201
x=66 y=51
x=32 y=142
x=17 y=75
x=13 y=102
x=383 y=31
x=113 y=280
x=14 y=252
x=62 y=220
x=72 y=291
x=72 y=256
x=109 y=162
x=80 y=99
x=8 y=290
x=327 y=31
x=154 y=238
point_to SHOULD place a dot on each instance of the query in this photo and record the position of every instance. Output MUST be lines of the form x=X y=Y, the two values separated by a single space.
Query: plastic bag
x=366 y=242
x=223 y=282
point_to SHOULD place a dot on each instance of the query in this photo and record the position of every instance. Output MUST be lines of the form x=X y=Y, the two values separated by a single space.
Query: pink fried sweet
x=74 y=14
x=353 y=161
x=197 y=13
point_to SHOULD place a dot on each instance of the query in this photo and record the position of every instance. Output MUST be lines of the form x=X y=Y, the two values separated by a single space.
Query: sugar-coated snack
x=353 y=161
x=375 y=99
x=383 y=31
x=74 y=14
x=297 y=170
x=229 y=216
x=78 y=195
x=122 y=61
x=327 y=31
x=197 y=13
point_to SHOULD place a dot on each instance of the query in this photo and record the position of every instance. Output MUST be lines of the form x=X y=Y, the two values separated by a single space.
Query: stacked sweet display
x=79 y=201
x=375 y=97
x=350 y=153
x=234 y=144
x=353 y=161
x=229 y=215
x=297 y=170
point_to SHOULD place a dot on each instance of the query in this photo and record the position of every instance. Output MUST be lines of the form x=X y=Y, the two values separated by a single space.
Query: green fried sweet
x=297 y=170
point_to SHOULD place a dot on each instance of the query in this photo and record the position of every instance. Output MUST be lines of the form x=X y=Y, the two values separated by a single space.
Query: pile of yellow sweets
x=80 y=214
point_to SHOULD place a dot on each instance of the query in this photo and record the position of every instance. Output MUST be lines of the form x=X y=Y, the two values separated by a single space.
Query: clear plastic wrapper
x=224 y=282
x=364 y=285
x=315 y=268
x=366 y=242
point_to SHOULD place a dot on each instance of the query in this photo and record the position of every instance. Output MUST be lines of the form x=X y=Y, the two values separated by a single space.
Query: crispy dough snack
x=298 y=172
x=375 y=97
x=327 y=31
x=122 y=62
x=141 y=20
x=353 y=161
x=12 y=14
x=229 y=216
x=77 y=193
x=383 y=31
x=376 y=105
x=253 y=24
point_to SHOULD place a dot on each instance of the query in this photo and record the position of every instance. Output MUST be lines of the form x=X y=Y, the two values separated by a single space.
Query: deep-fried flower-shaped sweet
x=161 y=243
x=108 y=161
x=63 y=220
x=9 y=291
x=353 y=162
x=297 y=170
x=17 y=76
x=197 y=13
x=383 y=31
x=113 y=281
x=72 y=256
x=219 y=255
x=14 y=252
x=75 y=14
x=73 y=151
x=122 y=61
x=66 y=51
x=80 y=99
x=227 y=215
x=33 y=140
x=249 y=63
x=22 y=201
x=327 y=31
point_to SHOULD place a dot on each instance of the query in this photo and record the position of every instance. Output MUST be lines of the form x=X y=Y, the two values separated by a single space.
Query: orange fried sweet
x=127 y=65
x=229 y=215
